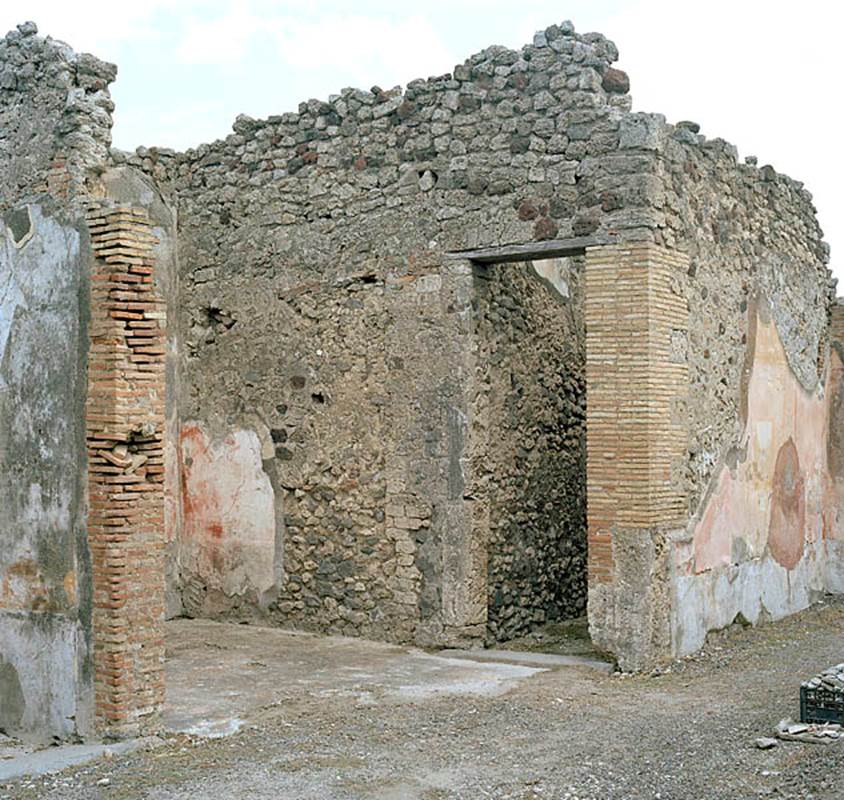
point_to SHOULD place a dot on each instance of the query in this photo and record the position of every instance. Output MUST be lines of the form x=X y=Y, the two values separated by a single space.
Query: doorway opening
x=529 y=455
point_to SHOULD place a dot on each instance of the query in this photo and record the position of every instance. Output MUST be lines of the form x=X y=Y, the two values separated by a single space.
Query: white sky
x=760 y=74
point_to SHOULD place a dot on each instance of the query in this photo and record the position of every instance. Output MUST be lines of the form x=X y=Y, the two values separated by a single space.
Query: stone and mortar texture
x=315 y=245
x=761 y=376
x=357 y=438
x=330 y=344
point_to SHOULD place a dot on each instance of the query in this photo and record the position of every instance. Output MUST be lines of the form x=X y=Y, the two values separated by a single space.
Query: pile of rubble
x=822 y=700
x=822 y=695
x=832 y=679
x=814 y=732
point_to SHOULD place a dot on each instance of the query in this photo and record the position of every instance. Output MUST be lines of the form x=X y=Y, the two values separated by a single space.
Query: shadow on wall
x=12 y=702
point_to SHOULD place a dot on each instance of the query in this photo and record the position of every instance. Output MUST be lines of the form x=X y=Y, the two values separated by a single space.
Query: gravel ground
x=686 y=732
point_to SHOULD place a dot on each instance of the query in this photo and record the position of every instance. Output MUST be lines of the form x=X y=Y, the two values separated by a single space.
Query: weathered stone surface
x=642 y=132
x=55 y=115
x=740 y=249
x=334 y=356
x=616 y=80
x=516 y=146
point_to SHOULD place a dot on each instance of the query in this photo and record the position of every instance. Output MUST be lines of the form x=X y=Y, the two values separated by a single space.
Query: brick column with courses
x=125 y=434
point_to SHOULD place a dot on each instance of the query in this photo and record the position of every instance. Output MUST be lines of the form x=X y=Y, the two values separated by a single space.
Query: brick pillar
x=836 y=322
x=636 y=384
x=125 y=432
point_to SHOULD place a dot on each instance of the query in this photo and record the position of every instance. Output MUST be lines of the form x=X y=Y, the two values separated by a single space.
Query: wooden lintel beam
x=533 y=251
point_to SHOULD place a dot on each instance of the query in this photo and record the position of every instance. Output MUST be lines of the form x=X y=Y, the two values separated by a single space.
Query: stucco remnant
x=45 y=590
x=228 y=542
x=760 y=546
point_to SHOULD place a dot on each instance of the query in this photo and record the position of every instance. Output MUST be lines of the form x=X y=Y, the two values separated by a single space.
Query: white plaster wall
x=44 y=568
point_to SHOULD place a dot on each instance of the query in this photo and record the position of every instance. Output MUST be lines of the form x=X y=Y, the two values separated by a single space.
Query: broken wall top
x=506 y=126
x=542 y=136
x=55 y=116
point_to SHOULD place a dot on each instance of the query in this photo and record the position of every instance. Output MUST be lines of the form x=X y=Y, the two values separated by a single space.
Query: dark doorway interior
x=530 y=412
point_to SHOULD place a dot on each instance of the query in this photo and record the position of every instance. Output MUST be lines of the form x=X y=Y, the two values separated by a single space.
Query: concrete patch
x=55 y=759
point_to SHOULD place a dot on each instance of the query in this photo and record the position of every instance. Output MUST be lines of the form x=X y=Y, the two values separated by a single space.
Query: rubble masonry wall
x=329 y=359
x=328 y=356
x=759 y=293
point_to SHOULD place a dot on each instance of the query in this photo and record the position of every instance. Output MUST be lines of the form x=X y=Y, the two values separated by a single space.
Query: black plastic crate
x=821 y=704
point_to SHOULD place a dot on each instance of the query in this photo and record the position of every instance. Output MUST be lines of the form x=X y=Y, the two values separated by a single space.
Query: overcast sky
x=762 y=75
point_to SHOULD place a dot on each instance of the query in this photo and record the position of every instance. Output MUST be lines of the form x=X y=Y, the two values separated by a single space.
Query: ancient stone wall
x=529 y=442
x=833 y=531
x=750 y=233
x=508 y=148
x=754 y=247
x=312 y=482
x=332 y=365
x=318 y=311
x=321 y=231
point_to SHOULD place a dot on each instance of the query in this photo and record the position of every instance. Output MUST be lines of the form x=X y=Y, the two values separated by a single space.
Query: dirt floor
x=685 y=732
x=566 y=638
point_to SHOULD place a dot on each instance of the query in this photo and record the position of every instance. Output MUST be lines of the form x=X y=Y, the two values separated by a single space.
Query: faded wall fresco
x=228 y=545
x=45 y=593
x=758 y=548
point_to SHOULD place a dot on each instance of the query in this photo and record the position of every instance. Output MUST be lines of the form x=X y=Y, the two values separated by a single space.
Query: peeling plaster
x=228 y=507
x=757 y=548
x=45 y=688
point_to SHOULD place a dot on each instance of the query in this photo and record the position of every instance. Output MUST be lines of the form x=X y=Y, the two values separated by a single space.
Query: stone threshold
x=528 y=659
